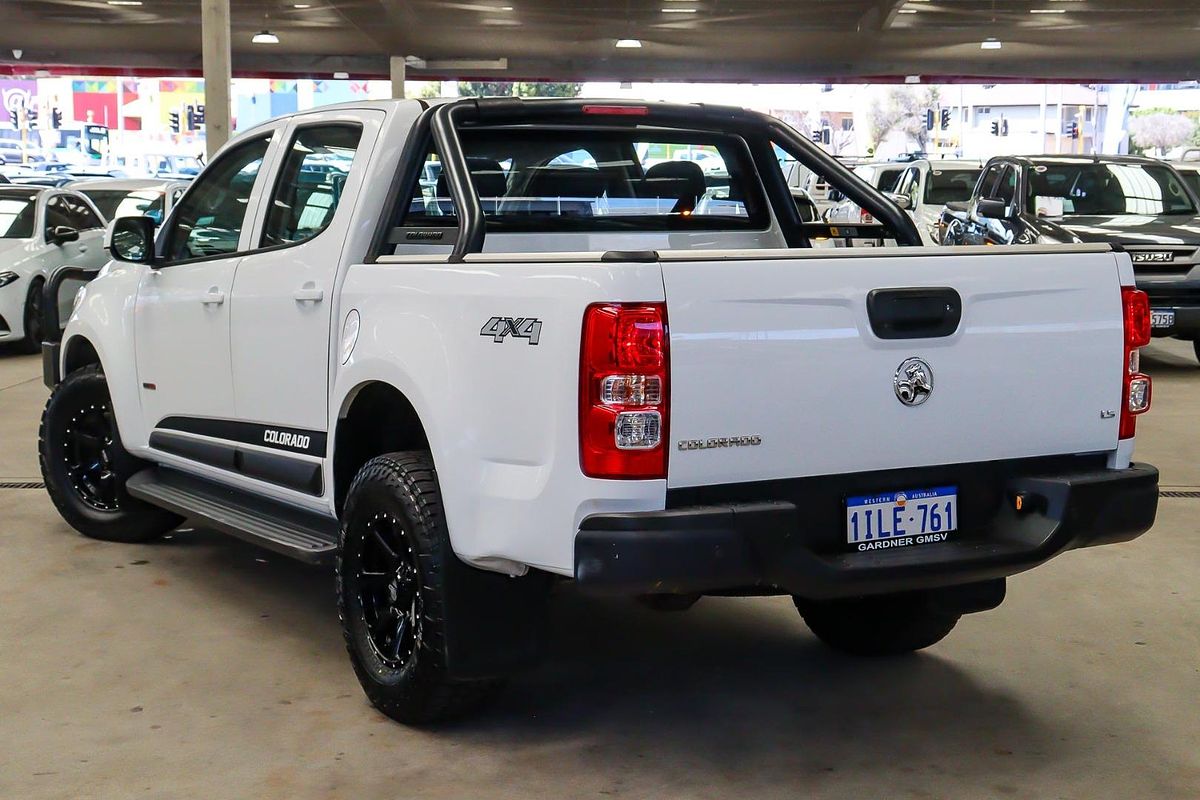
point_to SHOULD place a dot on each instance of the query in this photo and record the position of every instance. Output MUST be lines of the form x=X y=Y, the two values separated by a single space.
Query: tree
x=1161 y=130
x=510 y=89
x=903 y=109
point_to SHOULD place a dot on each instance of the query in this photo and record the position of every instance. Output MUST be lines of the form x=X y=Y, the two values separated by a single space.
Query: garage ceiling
x=725 y=40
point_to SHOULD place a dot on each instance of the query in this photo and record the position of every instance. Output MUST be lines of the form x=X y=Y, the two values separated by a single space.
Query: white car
x=125 y=197
x=461 y=402
x=880 y=174
x=925 y=187
x=41 y=229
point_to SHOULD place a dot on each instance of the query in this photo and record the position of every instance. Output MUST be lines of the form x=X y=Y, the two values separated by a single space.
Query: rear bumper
x=766 y=545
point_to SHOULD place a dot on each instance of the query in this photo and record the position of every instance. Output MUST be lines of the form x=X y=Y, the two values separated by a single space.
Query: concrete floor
x=203 y=667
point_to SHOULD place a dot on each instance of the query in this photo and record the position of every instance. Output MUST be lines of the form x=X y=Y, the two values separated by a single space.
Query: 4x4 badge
x=518 y=328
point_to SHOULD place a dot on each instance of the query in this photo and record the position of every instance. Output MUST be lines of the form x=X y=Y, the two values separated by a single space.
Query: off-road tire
x=126 y=519
x=886 y=625
x=416 y=689
x=32 y=317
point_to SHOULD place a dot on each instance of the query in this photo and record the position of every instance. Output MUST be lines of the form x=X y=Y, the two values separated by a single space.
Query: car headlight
x=8 y=277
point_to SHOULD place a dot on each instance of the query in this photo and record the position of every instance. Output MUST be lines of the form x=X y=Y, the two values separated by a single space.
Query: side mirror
x=994 y=209
x=61 y=234
x=131 y=239
x=902 y=200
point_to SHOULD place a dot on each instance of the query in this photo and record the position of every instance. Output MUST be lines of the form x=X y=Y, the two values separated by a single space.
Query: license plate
x=897 y=519
x=1161 y=319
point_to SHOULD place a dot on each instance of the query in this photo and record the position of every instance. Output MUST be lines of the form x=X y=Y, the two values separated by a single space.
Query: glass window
x=886 y=179
x=210 y=218
x=310 y=183
x=1006 y=187
x=1066 y=189
x=949 y=185
x=115 y=203
x=56 y=214
x=82 y=216
x=987 y=183
x=599 y=179
x=1192 y=178
x=16 y=215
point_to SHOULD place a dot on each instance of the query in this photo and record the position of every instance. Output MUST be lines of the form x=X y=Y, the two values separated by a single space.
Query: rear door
x=779 y=355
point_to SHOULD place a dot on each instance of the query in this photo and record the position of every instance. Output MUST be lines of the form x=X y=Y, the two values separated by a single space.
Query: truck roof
x=1060 y=158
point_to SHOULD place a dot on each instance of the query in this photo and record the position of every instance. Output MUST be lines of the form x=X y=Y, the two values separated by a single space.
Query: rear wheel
x=877 y=626
x=32 y=342
x=393 y=561
x=85 y=466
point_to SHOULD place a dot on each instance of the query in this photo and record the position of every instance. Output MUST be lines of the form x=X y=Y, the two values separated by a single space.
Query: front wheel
x=85 y=466
x=32 y=318
x=877 y=626
x=392 y=567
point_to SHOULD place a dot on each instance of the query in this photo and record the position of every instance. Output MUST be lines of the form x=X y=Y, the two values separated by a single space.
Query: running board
x=286 y=530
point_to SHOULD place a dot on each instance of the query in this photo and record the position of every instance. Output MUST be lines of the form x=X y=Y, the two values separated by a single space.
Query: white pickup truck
x=547 y=361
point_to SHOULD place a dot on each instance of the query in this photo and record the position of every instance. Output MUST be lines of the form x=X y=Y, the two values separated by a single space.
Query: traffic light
x=198 y=116
x=14 y=116
x=929 y=119
x=1003 y=127
x=31 y=117
x=174 y=117
x=1073 y=130
x=945 y=119
x=55 y=118
x=995 y=127
x=816 y=135
x=191 y=118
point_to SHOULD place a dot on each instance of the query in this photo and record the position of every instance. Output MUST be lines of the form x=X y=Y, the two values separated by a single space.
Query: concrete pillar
x=398 y=71
x=218 y=72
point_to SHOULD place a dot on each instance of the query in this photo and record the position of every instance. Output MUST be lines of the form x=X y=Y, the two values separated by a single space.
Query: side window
x=82 y=218
x=1006 y=187
x=310 y=183
x=56 y=213
x=987 y=181
x=210 y=218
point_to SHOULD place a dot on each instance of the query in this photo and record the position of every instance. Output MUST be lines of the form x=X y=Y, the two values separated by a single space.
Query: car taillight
x=623 y=369
x=864 y=217
x=1135 y=391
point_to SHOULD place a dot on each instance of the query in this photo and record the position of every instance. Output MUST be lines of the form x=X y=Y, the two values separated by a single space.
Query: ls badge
x=913 y=381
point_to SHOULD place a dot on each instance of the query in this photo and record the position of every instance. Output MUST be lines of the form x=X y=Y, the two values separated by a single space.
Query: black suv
x=1142 y=204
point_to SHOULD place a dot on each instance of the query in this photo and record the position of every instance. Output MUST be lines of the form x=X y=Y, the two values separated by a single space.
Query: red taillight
x=623 y=402
x=864 y=217
x=1135 y=386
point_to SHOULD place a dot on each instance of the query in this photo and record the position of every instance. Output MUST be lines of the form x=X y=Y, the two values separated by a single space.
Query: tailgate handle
x=925 y=312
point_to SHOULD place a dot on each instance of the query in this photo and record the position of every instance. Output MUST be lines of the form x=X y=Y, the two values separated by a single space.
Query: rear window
x=1117 y=189
x=597 y=180
x=114 y=203
x=950 y=185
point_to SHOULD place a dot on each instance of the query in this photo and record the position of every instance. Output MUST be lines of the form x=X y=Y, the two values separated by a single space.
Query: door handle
x=309 y=293
x=213 y=297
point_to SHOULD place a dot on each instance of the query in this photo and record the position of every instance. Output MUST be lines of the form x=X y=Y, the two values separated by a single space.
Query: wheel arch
x=79 y=352
x=375 y=418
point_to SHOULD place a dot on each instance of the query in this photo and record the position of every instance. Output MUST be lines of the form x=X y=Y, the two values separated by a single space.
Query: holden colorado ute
x=552 y=361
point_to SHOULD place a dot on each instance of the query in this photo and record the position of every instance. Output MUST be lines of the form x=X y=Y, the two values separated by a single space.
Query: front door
x=183 y=304
x=284 y=294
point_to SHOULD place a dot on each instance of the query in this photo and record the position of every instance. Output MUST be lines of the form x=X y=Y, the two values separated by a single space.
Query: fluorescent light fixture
x=912 y=78
x=301 y=5
x=628 y=43
x=672 y=10
x=124 y=2
x=1047 y=11
x=908 y=11
x=990 y=44
x=341 y=76
x=265 y=37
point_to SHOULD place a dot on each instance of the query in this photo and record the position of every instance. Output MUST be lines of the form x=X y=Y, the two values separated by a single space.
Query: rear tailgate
x=776 y=371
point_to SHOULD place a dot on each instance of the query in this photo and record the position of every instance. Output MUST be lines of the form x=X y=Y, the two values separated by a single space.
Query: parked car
x=41 y=229
x=1141 y=204
x=459 y=402
x=128 y=197
x=925 y=187
x=1190 y=172
x=13 y=151
x=883 y=175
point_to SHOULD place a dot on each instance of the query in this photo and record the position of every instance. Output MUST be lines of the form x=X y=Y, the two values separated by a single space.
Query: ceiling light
x=628 y=43
x=908 y=11
x=1047 y=11
x=680 y=10
x=124 y=2
x=912 y=78
x=990 y=44
x=506 y=8
x=341 y=76
x=265 y=37
x=301 y=5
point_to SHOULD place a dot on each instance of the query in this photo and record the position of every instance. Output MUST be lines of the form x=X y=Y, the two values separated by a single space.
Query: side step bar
x=289 y=531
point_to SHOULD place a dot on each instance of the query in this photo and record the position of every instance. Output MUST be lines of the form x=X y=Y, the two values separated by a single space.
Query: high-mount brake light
x=1135 y=387
x=623 y=410
x=617 y=111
